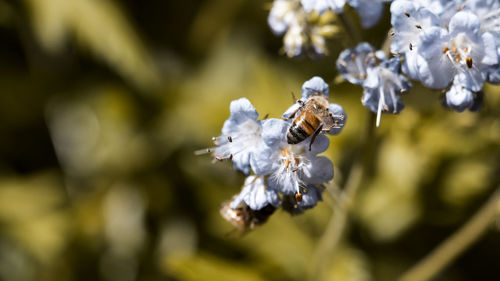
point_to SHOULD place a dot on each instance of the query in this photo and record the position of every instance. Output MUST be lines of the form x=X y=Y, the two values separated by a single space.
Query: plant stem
x=350 y=29
x=338 y=223
x=458 y=242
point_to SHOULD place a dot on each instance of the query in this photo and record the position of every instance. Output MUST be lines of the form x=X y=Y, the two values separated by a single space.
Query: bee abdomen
x=296 y=134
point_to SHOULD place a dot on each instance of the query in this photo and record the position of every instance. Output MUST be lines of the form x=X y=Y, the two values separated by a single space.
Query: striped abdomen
x=302 y=127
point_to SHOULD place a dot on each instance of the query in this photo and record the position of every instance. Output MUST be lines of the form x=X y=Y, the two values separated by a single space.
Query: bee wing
x=327 y=120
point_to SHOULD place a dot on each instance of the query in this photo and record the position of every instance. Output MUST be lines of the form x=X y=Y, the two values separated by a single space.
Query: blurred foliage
x=103 y=103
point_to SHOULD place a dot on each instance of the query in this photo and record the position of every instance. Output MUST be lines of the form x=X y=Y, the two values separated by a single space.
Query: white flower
x=256 y=195
x=241 y=136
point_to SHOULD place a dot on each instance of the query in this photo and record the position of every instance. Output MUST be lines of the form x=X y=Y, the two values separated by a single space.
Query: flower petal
x=337 y=110
x=319 y=171
x=313 y=86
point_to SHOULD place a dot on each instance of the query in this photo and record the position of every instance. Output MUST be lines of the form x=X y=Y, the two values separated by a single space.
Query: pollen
x=285 y=152
x=411 y=47
x=418 y=26
x=468 y=60
x=445 y=49
x=407 y=14
x=298 y=197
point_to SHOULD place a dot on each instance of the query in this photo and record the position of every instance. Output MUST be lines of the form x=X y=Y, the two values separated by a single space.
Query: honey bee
x=311 y=118
x=245 y=219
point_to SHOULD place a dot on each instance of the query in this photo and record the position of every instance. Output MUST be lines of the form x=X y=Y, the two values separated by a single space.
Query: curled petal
x=315 y=85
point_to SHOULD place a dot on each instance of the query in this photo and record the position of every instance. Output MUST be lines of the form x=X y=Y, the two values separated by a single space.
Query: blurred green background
x=102 y=104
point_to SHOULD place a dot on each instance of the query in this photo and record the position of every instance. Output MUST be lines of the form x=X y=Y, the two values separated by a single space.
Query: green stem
x=350 y=29
x=457 y=243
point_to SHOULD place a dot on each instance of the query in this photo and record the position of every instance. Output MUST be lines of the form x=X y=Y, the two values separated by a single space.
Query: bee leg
x=295 y=112
x=314 y=136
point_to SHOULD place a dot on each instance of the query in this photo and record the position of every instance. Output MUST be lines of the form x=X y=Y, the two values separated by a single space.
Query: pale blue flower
x=352 y=64
x=311 y=197
x=383 y=87
x=459 y=98
x=255 y=195
x=300 y=34
x=409 y=20
x=313 y=86
x=291 y=167
x=241 y=136
x=282 y=16
x=370 y=11
x=322 y=6
x=462 y=53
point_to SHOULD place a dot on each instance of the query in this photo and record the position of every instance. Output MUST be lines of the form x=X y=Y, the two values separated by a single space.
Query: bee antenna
x=293 y=97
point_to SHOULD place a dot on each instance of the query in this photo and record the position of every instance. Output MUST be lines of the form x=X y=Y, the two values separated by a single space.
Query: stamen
x=298 y=197
x=457 y=59
x=468 y=60
x=418 y=26
x=445 y=49
x=342 y=63
x=454 y=50
x=285 y=152
x=379 y=110
x=229 y=138
x=392 y=33
x=402 y=91
x=230 y=156
x=287 y=163
x=411 y=47
x=407 y=14
x=466 y=49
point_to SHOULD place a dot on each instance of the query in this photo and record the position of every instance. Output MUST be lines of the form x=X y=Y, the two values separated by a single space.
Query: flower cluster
x=380 y=77
x=303 y=31
x=306 y=24
x=280 y=172
x=449 y=45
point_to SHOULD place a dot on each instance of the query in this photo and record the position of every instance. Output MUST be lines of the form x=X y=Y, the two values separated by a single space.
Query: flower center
x=289 y=160
x=459 y=52
x=291 y=163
